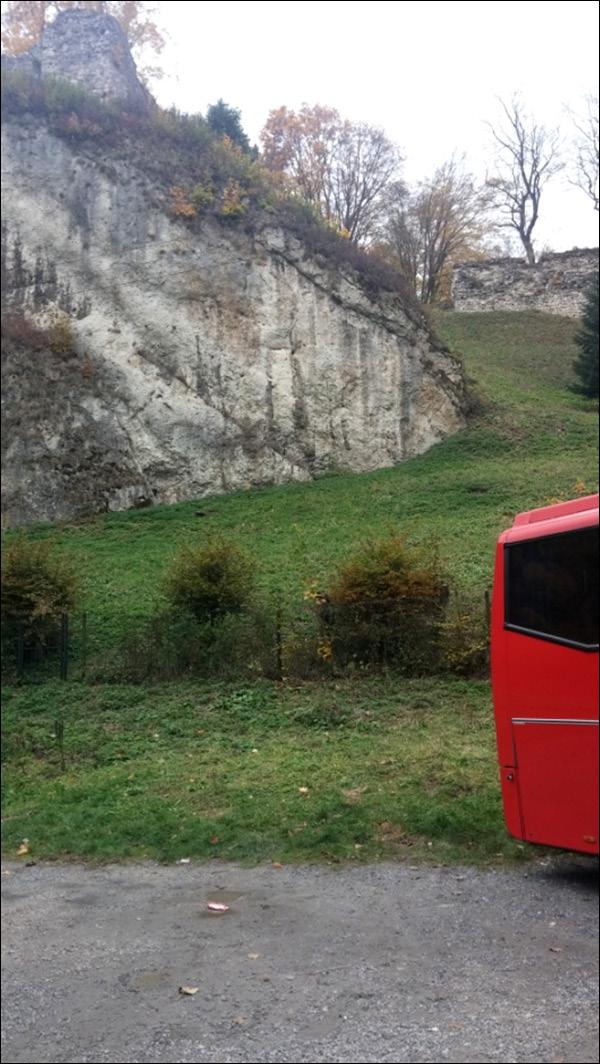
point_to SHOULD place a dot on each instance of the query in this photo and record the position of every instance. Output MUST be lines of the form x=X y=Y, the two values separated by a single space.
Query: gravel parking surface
x=366 y=963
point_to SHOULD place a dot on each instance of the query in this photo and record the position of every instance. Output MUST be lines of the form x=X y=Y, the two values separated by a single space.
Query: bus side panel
x=545 y=679
x=557 y=778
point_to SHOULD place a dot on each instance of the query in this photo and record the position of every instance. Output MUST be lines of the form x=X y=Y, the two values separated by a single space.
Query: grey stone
x=557 y=284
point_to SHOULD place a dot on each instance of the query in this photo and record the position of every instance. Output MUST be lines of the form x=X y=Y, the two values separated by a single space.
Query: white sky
x=429 y=73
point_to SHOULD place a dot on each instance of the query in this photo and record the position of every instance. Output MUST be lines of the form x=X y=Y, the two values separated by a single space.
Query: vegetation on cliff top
x=193 y=171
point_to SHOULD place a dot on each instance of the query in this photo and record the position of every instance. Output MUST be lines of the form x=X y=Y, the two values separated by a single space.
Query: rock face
x=557 y=284
x=189 y=362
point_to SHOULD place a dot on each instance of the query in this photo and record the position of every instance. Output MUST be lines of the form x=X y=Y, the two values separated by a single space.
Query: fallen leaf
x=23 y=848
x=214 y=840
x=188 y=991
x=253 y=956
x=217 y=907
x=276 y=864
x=354 y=794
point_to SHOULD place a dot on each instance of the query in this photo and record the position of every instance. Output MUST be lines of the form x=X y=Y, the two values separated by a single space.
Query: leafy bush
x=210 y=581
x=37 y=588
x=232 y=205
x=385 y=607
x=465 y=637
x=179 y=204
x=202 y=196
x=587 y=339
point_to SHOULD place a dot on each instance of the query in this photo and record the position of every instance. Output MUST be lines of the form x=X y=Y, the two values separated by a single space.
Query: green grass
x=392 y=767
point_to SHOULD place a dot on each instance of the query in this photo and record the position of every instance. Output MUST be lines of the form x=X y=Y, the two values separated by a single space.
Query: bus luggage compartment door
x=557 y=764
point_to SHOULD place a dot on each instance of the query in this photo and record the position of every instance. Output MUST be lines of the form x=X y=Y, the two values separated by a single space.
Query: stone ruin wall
x=88 y=49
x=557 y=284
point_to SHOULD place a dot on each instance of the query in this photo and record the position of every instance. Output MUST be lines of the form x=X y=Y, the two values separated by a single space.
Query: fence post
x=64 y=646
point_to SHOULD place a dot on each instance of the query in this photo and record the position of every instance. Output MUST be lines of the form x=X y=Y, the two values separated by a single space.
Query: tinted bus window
x=552 y=587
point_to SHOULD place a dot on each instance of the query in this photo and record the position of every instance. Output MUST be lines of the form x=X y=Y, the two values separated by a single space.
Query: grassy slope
x=533 y=443
x=390 y=766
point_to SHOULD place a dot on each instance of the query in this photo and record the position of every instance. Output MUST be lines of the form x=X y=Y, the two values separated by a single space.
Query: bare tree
x=343 y=168
x=587 y=162
x=528 y=156
x=441 y=221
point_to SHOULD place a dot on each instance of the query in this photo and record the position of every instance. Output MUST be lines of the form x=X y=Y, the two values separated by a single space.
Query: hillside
x=532 y=440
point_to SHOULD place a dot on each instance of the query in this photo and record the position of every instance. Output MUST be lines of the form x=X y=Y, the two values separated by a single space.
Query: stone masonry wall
x=557 y=284
x=88 y=49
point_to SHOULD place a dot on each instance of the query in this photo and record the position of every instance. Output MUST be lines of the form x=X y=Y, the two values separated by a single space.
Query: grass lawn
x=350 y=770
x=360 y=768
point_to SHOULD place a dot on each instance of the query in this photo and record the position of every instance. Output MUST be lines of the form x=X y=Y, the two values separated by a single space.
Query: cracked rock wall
x=203 y=362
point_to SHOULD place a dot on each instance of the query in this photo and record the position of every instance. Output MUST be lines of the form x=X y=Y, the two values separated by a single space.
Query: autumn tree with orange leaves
x=342 y=168
x=23 y=23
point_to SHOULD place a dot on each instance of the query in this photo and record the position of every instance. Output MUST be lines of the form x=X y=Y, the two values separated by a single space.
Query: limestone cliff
x=199 y=360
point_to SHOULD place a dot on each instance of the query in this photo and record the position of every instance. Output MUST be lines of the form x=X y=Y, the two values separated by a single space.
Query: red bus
x=545 y=674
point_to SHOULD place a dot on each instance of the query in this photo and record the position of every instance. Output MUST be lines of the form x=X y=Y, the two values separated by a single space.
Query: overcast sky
x=428 y=73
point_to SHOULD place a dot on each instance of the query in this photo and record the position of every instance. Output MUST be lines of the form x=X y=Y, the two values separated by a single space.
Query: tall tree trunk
x=529 y=252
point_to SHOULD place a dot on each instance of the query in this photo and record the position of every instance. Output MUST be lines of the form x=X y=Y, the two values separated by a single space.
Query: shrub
x=385 y=607
x=202 y=196
x=233 y=205
x=62 y=337
x=587 y=339
x=180 y=205
x=37 y=588
x=210 y=581
x=24 y=332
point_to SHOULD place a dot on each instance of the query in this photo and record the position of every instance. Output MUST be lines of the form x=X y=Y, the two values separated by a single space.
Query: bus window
x=552 y=587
